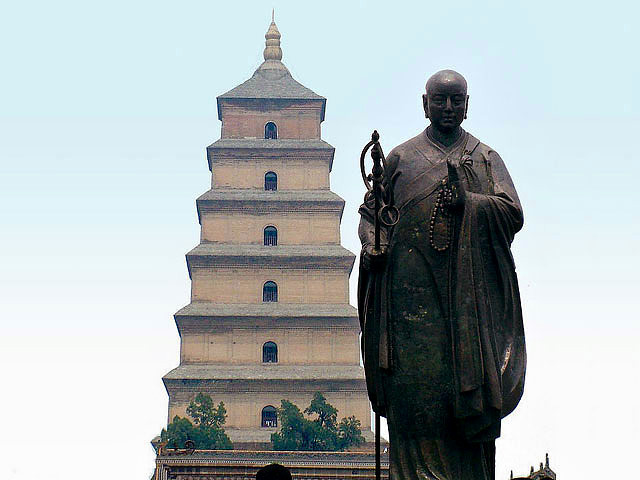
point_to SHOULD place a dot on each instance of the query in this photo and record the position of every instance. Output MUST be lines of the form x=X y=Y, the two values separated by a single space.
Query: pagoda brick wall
x=295 y=120
x=293 y=228
x=301 y=175
x=297 y=345
x=244 y=285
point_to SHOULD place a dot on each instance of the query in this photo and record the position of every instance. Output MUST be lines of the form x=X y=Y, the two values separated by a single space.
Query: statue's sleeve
x=491 y=357
x=504 y=198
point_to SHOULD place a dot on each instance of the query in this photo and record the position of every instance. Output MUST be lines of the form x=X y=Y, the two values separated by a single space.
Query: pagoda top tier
x=272 y=80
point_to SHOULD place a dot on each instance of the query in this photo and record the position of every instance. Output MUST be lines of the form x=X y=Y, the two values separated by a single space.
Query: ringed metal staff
x=379 y=198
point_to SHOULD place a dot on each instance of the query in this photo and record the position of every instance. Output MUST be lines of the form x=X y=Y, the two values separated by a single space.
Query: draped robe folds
x=444 y=354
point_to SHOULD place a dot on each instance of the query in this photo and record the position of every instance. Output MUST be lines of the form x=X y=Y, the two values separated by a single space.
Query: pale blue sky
x=106 y=109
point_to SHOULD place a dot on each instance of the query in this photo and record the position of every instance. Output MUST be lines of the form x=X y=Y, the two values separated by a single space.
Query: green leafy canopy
x=321 y=433
x=207 y=433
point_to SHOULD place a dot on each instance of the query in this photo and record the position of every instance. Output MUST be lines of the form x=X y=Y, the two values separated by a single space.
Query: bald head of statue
x=446 y=101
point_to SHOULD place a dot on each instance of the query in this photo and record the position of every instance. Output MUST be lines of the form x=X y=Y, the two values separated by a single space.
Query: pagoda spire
x=272 y=50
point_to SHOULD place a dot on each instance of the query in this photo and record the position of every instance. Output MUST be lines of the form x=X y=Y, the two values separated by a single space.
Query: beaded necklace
x=445 y=196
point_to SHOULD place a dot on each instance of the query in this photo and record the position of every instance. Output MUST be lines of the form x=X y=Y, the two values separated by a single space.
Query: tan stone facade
x=269 y=170
x=250 y=174
x=244 y=285
x=296 y=346
x=294 y=228
x=295 y=119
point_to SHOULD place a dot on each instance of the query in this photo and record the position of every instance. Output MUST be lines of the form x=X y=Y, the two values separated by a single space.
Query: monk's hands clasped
x=457 y=197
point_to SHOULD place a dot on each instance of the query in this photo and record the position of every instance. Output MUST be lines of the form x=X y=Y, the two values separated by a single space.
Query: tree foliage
x=207 y=433
x=322 y=433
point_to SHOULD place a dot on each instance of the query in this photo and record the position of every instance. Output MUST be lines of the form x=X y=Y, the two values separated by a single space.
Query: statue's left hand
x=455 y=184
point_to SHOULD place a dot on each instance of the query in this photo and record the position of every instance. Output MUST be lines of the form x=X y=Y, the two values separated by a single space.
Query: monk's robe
x=445 y=354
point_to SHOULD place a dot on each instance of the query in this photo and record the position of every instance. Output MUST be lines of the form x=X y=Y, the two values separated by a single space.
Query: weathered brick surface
x=293 y=228
x=244 y=285
x=292 y=175
x=237 y=346
x=295 y=120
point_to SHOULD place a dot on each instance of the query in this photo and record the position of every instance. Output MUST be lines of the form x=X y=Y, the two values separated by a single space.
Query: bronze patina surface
x=439 y=304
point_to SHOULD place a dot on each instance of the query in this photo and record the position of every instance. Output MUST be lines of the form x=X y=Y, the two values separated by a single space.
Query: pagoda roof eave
x=254 y=200
x=274 y=256
x=220 y=99
x=268 y=371
x=270 y=144
x=272 y=309
x=271 y=81
x=272 y=196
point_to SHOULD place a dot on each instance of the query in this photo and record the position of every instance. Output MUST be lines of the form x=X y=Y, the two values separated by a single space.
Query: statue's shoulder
x=410 y=146
x=482 y=148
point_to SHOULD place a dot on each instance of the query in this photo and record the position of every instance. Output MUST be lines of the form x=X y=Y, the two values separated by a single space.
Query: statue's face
x=445 y=102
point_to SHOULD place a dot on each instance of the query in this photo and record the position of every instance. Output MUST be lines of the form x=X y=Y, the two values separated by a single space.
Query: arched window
x=270 y=235
x=269 y=353
x=270 y=181
x=269 y=417
x=270 y=131
x=270 y=292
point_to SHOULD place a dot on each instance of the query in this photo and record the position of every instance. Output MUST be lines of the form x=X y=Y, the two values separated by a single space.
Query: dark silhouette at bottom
x=274 y=471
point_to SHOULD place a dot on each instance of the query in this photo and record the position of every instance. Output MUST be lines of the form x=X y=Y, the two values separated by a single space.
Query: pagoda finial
x=272 y=50
x=273 y=15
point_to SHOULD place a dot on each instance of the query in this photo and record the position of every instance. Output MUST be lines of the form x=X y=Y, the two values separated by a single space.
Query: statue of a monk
x=444 y=349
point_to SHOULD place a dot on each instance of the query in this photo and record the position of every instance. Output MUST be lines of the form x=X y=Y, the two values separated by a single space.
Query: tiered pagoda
x=269 y=317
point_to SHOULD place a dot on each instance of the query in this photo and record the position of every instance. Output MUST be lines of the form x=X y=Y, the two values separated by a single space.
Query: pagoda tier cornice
x=202 y=325
x=268 y=371
x=276 y=310
x=256 y=201
x=271 y=144
x=204 y=316
x=333 y=257
x=251 y=149
x=185 y=389
x=264 y=377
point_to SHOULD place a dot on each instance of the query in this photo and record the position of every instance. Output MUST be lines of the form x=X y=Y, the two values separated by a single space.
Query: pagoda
x=269 y=317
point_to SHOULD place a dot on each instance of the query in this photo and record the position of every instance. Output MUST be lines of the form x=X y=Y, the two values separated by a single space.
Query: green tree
x=321 y=433
x=178 y=432
x=327 y=413
x=295 y=431
x=207 y=433
x=203 y=412
x=350 y=433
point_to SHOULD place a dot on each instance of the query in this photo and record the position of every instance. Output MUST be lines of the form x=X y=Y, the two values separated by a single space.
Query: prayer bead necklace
x=445 y=197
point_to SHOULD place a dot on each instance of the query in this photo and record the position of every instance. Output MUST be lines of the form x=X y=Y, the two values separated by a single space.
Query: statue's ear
x=466 y=107
x=425 y=105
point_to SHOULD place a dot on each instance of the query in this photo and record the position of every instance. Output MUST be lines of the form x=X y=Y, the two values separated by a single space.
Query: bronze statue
x=443 y=340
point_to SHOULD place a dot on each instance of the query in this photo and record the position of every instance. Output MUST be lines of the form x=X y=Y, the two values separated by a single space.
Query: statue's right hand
x=373 y=259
